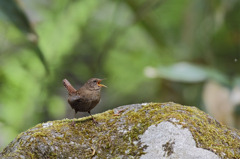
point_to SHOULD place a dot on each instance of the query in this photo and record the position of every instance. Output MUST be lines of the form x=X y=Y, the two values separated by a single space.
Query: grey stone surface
x=169 y=141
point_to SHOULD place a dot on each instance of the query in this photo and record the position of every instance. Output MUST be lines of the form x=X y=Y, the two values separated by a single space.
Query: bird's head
x=95 y=84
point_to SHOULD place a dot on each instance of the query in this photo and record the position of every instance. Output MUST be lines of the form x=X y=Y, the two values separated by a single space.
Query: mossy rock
x=156 y=130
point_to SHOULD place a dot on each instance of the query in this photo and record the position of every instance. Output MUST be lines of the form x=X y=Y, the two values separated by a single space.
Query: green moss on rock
x=117 y=135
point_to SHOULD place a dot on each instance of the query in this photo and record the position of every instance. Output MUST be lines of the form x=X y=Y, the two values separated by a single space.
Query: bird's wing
x=77 y=99
x=78 y=103
x=74 y=98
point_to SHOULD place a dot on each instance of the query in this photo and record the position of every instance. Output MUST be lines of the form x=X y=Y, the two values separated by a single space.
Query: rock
x=149 y=130
x=167 y=140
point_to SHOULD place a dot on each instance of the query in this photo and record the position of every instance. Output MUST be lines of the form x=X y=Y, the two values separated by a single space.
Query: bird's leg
x=75 y=114
x=93 y=118
x=73 y=122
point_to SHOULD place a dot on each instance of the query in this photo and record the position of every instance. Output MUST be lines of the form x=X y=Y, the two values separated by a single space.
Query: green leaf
x=183 y=72
x=186 y=72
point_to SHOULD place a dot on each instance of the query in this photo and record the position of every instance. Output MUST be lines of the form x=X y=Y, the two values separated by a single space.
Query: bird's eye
x=95 y=81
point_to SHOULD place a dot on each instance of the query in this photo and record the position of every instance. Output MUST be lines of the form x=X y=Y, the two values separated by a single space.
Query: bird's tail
x=69 y=87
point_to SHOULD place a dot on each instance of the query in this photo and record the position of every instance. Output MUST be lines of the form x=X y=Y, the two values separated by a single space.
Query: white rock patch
x=167 y=141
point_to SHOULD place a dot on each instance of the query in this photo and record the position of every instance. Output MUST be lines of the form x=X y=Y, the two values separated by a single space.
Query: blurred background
x=184 y=51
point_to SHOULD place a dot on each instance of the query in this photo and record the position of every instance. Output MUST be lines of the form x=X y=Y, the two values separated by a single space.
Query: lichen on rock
x=126 y=132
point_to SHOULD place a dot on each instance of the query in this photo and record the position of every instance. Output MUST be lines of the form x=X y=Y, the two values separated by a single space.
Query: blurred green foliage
x=113 y=39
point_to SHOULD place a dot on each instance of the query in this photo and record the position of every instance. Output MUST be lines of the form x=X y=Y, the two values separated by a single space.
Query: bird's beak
x=101 y=85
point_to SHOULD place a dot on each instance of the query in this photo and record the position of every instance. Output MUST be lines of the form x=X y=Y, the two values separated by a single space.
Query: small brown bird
x=85 y=98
